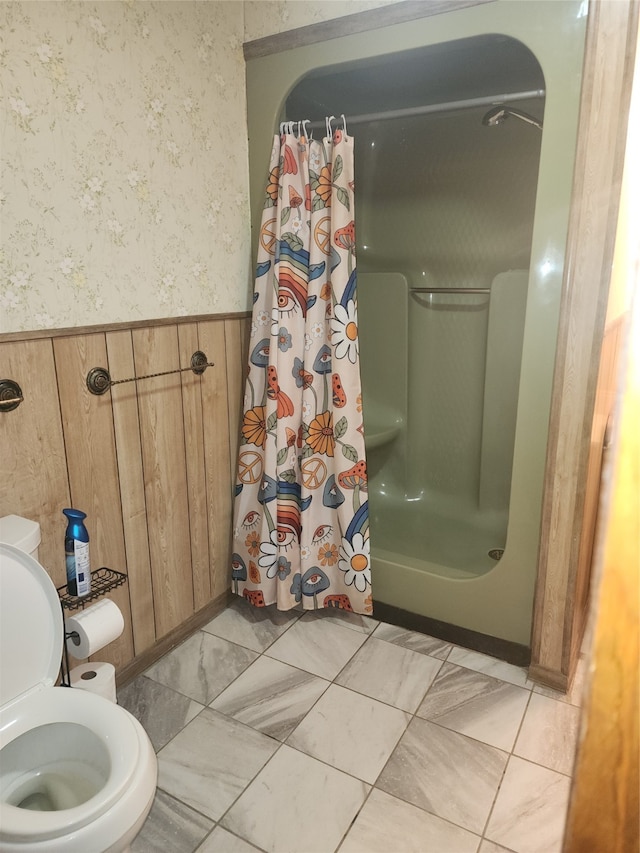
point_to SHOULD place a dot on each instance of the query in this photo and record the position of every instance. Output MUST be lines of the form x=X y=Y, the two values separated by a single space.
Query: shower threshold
x=481 y=565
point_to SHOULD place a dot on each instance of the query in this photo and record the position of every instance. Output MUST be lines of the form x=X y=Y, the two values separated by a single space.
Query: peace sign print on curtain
x=301 y=518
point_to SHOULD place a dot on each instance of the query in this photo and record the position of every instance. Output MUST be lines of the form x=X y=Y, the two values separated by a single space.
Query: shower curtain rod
x=448 y=106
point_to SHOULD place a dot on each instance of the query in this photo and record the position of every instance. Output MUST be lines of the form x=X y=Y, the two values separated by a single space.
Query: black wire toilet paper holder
x=103 y=580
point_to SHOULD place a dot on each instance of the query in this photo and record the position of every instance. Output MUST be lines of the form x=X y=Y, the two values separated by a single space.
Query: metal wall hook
x=10 y=395
x=99 y=379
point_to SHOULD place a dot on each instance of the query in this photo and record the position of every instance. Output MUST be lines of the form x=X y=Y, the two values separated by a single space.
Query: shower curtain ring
x=304 y=128
x=344 y=125
x=328 y=121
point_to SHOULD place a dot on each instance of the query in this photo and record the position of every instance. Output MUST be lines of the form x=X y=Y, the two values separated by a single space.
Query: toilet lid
x=31 y=625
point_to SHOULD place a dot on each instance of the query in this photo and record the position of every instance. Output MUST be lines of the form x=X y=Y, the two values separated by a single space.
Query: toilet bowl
x=77 y=772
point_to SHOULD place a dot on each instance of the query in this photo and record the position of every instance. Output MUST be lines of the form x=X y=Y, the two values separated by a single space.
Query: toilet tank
x=21 y=532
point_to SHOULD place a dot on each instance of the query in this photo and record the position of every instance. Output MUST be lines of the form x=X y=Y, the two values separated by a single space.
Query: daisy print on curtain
x=301 y=517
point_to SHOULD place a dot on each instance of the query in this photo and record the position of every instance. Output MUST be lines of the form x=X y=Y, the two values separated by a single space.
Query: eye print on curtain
x=301 y=516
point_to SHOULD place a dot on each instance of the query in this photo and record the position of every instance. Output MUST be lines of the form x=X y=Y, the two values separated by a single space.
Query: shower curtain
x=301 y=519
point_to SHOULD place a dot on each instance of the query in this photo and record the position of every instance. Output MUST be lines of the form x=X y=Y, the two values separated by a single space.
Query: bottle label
x=81 y=557
x=69 y=559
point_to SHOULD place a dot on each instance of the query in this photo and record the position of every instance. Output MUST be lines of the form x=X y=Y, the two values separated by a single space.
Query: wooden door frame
x=606 y=90
x=604 y=811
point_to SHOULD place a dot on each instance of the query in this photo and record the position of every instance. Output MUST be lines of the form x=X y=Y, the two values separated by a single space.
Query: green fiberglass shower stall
x=465 y=130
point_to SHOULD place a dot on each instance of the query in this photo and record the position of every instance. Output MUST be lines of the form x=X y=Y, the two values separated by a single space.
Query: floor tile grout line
x=428 y=811
x=495 y=797
x=488 y=674
x=217 y=825
x=413 y=805
x=511 y=753
x=280 y=744
x=238 y=608
x=218 y=821
x=178 y=693
x=260 y=731
x=465 y=734
x=333 y=681
x=355 y=818
x=368 y=636
x=327 y=764
x=173 y=689
x=530 y=760
x=195 y=633
x=413 y=713
x=412 y=716
x=241 y=794
x=250 y=648
x=315 y=673
x=338 y=674
x=408 y=802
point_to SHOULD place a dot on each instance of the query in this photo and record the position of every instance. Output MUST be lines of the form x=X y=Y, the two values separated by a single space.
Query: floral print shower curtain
x=301 y=518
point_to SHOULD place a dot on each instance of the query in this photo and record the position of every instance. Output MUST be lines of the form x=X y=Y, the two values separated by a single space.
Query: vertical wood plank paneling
x=236 y=357
x=33 y=470
x=134 y=513
x=195 y=465
x=152 y=463
x=215 y=409
x=163 y=454
x=87 y=424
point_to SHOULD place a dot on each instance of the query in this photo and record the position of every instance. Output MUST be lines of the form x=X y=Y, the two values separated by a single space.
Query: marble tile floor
x=328 y=731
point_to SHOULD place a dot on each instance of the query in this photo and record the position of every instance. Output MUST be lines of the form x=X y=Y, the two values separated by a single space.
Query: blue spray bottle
x=76 y=549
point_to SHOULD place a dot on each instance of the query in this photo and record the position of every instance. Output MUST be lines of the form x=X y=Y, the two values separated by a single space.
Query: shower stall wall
x=461 y=229
x=445 y=218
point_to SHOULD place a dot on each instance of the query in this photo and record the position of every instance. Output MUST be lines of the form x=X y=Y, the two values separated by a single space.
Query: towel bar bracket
x=10 y=395
x=99 y=379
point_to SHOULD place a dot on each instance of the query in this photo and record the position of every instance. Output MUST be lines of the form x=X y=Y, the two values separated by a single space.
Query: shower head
x=500 y=113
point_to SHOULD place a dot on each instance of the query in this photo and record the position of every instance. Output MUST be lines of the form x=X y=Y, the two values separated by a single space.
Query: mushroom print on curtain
x=301 y=518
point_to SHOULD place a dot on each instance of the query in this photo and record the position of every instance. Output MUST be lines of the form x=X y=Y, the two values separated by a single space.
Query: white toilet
x=77 y=772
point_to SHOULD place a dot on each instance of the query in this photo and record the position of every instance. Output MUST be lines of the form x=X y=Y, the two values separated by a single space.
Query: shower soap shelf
x=382 y=425
x=378 y=436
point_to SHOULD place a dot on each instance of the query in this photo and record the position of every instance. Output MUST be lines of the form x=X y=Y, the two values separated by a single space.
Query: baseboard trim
x=549 y=677
x=506 y=650
x=144 y=660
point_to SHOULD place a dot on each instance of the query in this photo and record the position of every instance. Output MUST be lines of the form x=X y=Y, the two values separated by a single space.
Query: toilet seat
x=119 y=752
x=108 y=722
x=31 y=621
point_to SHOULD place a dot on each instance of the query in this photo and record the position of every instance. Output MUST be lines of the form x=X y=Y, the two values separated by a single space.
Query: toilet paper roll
x=95 y=627
x=98 y=678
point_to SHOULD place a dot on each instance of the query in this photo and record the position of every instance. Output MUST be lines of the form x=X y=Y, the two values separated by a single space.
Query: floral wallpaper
x=124 y=184
x=267 y=17
x=124 y=174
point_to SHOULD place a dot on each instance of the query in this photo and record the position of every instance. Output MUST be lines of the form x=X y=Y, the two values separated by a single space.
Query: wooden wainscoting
x=152 y=463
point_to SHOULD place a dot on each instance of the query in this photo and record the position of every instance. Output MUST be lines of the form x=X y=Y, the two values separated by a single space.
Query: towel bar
x=99 y=380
